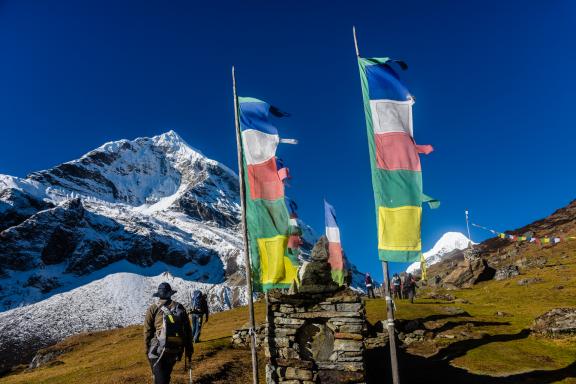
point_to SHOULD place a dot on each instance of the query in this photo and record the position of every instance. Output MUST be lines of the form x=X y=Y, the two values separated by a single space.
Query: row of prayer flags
x=530 y=239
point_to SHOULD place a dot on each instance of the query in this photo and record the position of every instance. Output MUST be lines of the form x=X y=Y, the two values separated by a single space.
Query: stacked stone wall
x=315 y=338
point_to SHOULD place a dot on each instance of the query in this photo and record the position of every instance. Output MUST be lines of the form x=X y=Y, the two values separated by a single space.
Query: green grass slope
x=479 y=337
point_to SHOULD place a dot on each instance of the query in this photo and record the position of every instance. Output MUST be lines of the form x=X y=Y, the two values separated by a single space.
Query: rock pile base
x=315 y=338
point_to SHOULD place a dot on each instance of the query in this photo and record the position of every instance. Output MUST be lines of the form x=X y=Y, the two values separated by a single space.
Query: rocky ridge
x=502 y=258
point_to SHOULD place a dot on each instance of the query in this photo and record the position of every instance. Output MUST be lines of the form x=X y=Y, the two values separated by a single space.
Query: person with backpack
x=167 y=334
x=369 y=286
x=396 y=286
x=199 y=310
x=410 y=287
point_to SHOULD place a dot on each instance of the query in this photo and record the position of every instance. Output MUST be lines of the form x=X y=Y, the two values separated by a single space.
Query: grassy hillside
x=478 y=337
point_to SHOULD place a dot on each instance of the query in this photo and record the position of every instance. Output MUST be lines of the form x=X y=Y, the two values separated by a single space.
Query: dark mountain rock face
x=17 y=206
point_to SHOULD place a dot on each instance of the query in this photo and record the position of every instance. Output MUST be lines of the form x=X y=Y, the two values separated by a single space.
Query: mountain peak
x=449 y=242
x=174 y=141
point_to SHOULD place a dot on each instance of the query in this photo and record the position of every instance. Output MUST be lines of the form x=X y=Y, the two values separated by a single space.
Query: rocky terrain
x=503 y=259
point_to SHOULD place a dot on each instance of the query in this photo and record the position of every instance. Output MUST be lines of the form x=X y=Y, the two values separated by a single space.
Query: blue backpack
x=196 y=303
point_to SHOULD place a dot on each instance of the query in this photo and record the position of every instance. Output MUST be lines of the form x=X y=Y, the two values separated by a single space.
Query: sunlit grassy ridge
x=493 y=344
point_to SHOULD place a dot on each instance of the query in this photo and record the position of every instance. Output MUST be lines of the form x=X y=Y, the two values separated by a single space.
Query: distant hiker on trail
x=396 y=286
x=199 y=308
x=369 y=286
x=167 y=334
x=348 y=278
x=409 y=287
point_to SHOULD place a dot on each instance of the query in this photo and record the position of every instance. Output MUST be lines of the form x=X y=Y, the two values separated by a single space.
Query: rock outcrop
x=556 y=323
x=468 y=273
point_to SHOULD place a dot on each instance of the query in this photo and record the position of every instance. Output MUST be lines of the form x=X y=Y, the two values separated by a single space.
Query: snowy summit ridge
x=449 y=242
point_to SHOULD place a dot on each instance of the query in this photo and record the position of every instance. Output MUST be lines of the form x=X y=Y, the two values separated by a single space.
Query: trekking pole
x=190 y=374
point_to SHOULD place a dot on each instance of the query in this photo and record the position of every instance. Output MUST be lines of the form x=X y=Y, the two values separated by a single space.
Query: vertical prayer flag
x=395 y=161
x=267 y=217
x=335 y=256
x=295 y=238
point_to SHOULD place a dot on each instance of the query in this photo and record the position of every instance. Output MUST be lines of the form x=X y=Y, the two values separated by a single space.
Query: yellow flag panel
x=399 y=228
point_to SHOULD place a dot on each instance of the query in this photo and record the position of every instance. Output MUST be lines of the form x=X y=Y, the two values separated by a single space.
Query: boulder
x=506 y=272
x=530 y=280
x=468 y=273
x=556 y=323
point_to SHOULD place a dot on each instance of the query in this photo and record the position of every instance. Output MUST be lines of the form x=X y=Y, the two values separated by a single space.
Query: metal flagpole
x=468 y=226
x=389 y=303
x=390 y=325
x=245 y=235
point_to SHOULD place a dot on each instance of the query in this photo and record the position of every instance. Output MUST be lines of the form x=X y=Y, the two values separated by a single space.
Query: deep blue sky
x=495 y=84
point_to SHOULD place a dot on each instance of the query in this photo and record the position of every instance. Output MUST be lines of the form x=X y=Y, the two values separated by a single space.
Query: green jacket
x=153 y=325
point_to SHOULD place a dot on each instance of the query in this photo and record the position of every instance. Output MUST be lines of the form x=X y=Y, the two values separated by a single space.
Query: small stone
x=296 y=363
x=347 y=345
x=351 y=328
x=349 y=307
x=348 y=336
x=298 y=374
x=348 y=320
x=324 y=314
x=286 y=308
x=288 y=321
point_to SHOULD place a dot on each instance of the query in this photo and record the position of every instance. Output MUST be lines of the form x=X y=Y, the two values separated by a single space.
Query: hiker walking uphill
x=167 y=334
x=369 y=286
x=199 y=309
x=396 y=286
x=409 y=287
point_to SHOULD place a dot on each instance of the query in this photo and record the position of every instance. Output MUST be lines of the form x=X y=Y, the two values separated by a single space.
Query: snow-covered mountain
x=91 y=238
x=147 y=202
x=449 y=242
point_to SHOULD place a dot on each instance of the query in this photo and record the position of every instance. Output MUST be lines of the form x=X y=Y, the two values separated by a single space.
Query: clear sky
x=495 y=84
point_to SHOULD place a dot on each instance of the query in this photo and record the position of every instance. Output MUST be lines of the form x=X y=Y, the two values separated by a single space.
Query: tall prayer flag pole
x=245 y=235
x=468 y=226
x=389 y=304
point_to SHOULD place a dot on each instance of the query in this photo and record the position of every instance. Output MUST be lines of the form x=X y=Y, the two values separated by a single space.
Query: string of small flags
x=530 y=239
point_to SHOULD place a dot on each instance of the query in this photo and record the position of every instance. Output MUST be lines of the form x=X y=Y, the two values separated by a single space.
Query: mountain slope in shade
x=449 y=242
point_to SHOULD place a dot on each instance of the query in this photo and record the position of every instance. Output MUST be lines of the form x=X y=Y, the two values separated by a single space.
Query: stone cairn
x=317 y=334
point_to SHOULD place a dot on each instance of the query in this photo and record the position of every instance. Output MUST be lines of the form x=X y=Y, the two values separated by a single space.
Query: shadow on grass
x=453 y=324
x=460 y=348
x=417 y=369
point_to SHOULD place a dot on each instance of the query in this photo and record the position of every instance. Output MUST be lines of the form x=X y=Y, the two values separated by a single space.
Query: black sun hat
x=164 y=291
